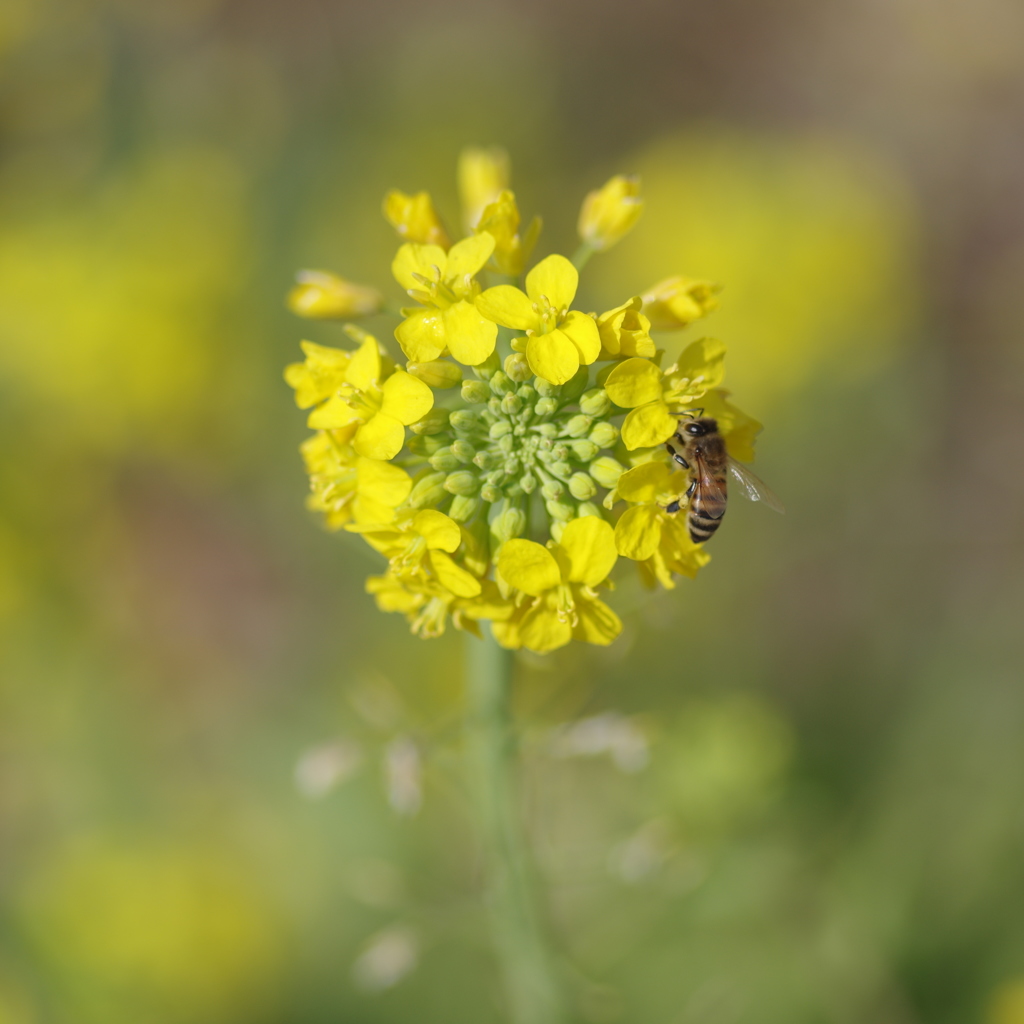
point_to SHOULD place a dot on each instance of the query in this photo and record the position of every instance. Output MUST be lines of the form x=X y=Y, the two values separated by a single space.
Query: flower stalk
x=532 y=987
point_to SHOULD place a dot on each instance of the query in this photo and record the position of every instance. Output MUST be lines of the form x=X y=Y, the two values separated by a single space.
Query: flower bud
x=427 y=445
x=606 y=471
x=496 y=477
x=463 y=450
x=508 y=524
x=433 y=423
x=595 y=402
x=511 y=404
x=517 y=368
x=321 y=295
x=463 y=508
x=678 y=301
x=528 y=482
x=526 y=393
x=548 y=431
x=465 y=421
x=485 y=369
x=487 y=460
x=500 y=383
x=584 y=450
x=560 y=511
x=604 y=435
x=578 y=425
x=427 y=491
x=438 y=373
x=511 y=466
x=494 y=405
x=609 y=212
x=414 y=218
x=582 y=486
x=462 y=482
x=546 y=389
x=507 y=444
x=560 y=469
x=490 y=493
x=483 y=174
x=476 y=392
x=576 y=385
x=546 y=407
x=552 y=490
x=587 y=508
x=444 y=460
x=499 y=429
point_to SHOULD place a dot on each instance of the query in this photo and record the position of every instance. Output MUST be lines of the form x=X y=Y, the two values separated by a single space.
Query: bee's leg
x=675 y=455
x=672 y=507
x=691 y=488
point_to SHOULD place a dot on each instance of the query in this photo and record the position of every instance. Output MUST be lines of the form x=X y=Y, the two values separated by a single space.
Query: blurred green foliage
x=791 y=792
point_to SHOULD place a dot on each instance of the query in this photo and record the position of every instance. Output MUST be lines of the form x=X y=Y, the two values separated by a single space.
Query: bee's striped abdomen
x=705 y=514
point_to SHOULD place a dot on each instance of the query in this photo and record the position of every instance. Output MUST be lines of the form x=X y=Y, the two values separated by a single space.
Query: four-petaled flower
x=657 y=540
x=625 y=332
x=444 y=285
x=559 y=338
x=356 y=395
x=557 y=600
x=678 y=301
x=610 y=212
x=500 y=220
x=321 y=295
x=656 y=399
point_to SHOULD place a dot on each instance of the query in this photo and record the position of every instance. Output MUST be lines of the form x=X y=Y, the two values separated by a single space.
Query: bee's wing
x=708 y=488
x=754 y=487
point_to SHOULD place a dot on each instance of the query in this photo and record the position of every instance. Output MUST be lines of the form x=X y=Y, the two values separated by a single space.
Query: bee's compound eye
x=694 y=428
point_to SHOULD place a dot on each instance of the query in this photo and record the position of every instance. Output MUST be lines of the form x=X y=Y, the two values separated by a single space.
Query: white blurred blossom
x=610 y=733
x=323 y=767
x=388 y=957
x=403 y=775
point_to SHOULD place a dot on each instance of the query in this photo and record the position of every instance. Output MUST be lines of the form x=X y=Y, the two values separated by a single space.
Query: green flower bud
x=465 y=421
x=496 y=477
x=575 y=387
x=578 y=425
x=488 y=366
x=526 y=393
x=490 y=493
x=463 y=508
x=487 y=460
x=427 y=445
x=462 y=482
x=548 y=431
x=463 y=450
x=508 y=524
x=433 y=423
x=546 y=389
x=438 y=373
x=560 y=469
x=604 y=435
x=587 y=508
x=546 y=407
x=507 y=444
x=500 y=383
x=494 y=406
x=584 y=450
x=528 y=482
x=499 y=429
x=428 y=490
x=582 y=486
x=518 y=368
x=595 y=402
x=444 y=460
x=606 y=471
x=552 y=490
x=511 y=467
x=560 y=511
x=511 y=404
x=476 y=392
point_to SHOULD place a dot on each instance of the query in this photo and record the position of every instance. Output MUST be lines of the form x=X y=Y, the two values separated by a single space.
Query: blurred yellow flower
x=556 y=600
x=500 y=220
x=321 y=295
x=415 y=219
x=483 y=174
x=445 y=285
x=625 y=331
x=677 y=301
x=609 y=213
x=655 y=399
x=560 y=339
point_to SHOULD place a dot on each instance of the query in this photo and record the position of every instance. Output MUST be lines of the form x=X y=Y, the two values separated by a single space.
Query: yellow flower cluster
x=519 y=450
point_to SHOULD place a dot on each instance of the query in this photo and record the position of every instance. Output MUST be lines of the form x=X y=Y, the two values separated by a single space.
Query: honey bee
x=705 y=457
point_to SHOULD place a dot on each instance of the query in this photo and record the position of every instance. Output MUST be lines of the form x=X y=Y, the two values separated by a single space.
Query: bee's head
x=699 y=427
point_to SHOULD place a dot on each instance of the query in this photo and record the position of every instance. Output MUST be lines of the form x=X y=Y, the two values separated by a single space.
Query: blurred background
x=230 y=788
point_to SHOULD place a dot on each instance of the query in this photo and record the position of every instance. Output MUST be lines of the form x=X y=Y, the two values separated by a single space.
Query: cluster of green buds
x=504 y=466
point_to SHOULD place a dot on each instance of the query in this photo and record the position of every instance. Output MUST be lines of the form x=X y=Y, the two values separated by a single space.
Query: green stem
x=582 y=255
x=531 y=985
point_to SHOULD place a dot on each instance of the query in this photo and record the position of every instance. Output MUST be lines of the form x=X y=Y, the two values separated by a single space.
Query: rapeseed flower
x=517 y=455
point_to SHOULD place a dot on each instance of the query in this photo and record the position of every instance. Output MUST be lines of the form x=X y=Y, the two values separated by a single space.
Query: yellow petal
x=638 y=532
x=650 y=425
x=425 y=260
x=381 y=437
x=452 y=576
x=541 y=630
x=555 y=279
x=332 y=414
x=415 y=218
x=364 y=367
x=589 y=544
x=466 y=258
x=322 y=295
x=470 y=335
x=441 y=532
x=583 y=333
x=553 y=357
x=702 y=362
x=422 y=335
x=508 y=306
x=382 y=482
x=610 y=211
x=644 y=482
x=596 y=622
x=528 y=566
x=482 y=175
x=634 y=382
x=406 y=398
